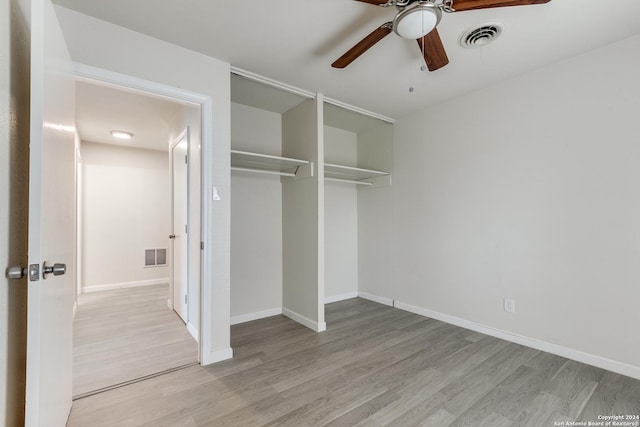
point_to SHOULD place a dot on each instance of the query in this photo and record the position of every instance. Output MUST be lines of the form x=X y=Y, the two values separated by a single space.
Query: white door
x=180 y=196
x=51 y=222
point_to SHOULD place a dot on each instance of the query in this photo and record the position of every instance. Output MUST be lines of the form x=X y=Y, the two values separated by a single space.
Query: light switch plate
x=509 y=305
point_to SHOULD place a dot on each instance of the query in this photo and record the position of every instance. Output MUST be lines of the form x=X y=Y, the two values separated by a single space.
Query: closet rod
x=350 y=181
x=358 y=110
x=266 y=172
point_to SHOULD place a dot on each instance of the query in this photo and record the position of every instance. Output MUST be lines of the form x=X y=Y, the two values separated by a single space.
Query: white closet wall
x=303 y=217
x=256 y=218
x=341 y=219
x=375 y=216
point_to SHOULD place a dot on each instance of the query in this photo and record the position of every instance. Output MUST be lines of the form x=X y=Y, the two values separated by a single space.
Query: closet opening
x=261 y=172
x=358 y=216
x=311 y=211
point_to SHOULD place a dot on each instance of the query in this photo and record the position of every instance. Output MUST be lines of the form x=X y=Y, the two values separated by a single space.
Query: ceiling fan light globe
x=416 y=22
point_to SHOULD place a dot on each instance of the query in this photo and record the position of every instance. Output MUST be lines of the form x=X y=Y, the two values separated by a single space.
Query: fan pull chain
x=422 y=66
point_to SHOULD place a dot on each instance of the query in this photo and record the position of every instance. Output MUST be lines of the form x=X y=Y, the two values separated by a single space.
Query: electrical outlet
x=509 y=305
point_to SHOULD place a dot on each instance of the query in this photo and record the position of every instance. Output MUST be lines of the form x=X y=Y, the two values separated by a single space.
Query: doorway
x=129 y=325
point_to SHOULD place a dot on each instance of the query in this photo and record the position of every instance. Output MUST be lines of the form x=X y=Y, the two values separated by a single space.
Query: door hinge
x=185 y=298
x=185 y=159
x=201 y=245
x=186 y=229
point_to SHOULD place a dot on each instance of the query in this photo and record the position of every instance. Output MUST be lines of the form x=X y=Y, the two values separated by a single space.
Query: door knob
x=172 y=236
x=57 y=269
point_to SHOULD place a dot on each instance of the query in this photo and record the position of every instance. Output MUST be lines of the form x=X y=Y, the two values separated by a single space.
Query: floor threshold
x=133 y=381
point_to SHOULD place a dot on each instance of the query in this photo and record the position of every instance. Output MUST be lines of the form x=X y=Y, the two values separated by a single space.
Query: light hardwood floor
x=374 y=366
x=126 y=334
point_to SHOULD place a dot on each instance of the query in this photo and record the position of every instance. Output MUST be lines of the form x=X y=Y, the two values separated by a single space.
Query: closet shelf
x=245 y=161
x=350 y=174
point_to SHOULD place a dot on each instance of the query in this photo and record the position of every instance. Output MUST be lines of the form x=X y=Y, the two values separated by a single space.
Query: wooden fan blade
x=376 y=2
x=363 y=45
x=434 y=54
x=461 y=5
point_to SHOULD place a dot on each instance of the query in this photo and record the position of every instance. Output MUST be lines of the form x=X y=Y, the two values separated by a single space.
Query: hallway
x=125 y=334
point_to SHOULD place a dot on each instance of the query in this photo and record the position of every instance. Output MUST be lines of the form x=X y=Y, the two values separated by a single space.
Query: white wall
x=530 y=189
x=256 y=218
x=126 y=208
x=341 y=218
x=14 y=154
x=110 y=47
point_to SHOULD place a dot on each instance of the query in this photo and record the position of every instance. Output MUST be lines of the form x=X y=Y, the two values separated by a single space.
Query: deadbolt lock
x=18 y=272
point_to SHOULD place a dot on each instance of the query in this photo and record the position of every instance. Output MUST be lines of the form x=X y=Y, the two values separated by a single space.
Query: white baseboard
x=375 y=298
x=219 y=356
x=242 y=318
x=341 y=297
x=313 y=325
x=577 y=355
x=123 y=285
x=169 y=303
x=193 y=331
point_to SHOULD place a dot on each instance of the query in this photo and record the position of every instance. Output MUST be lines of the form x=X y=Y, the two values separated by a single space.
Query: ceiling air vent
x=481 y=36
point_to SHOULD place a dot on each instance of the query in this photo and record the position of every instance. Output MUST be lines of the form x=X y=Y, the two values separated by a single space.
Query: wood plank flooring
x=374 y=366
x=126 y=334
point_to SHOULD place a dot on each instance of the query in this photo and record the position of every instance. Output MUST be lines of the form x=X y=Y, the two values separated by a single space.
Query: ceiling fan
x=418 y=19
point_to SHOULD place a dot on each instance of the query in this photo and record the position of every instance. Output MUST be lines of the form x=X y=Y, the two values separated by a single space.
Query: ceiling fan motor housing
x=417 y=20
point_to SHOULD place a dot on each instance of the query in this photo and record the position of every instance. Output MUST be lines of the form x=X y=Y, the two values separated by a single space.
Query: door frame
x=184 y=134
x=97 y=75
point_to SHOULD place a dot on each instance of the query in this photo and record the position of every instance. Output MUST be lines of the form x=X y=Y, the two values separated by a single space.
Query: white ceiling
x=101 y=109
x=296 y=41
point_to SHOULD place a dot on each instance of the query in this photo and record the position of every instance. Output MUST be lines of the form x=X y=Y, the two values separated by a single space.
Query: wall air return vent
x=161 y=257
x=481 y=36
x=149 y=257
x=155 y=257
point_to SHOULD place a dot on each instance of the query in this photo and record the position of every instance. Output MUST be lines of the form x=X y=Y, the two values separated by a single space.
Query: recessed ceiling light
x=121 y=134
